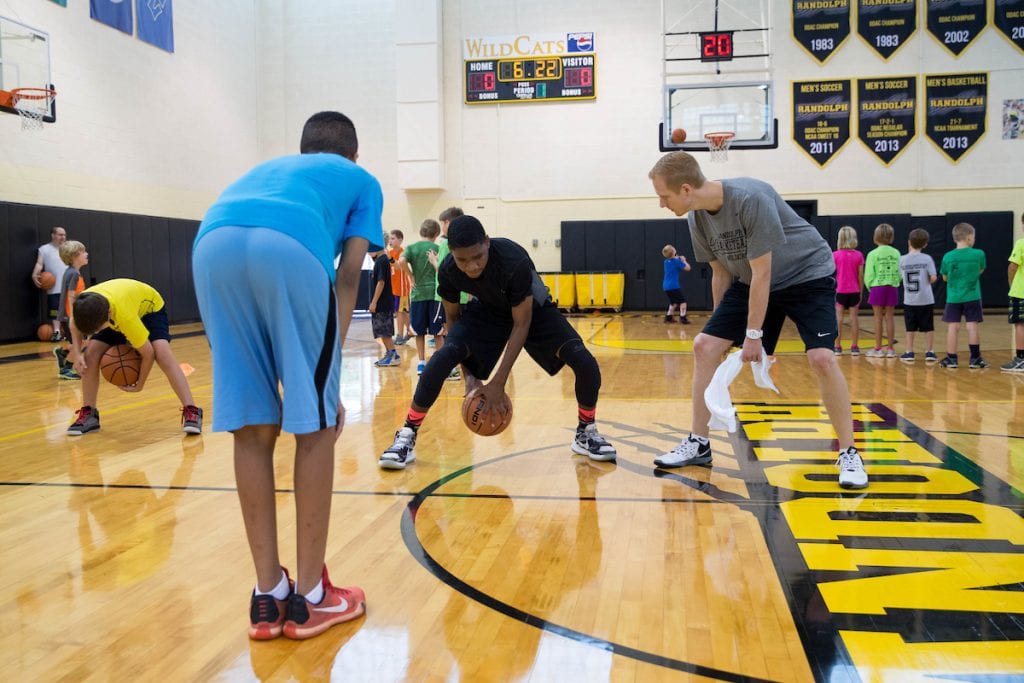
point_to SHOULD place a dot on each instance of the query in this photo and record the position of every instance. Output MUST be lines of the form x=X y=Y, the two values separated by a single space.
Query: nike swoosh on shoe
x=343 y=607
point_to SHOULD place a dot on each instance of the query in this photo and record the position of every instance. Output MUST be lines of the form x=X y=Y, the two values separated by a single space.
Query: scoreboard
x=530 y=79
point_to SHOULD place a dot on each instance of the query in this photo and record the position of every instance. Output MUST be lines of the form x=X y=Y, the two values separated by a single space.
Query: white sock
x=701 y=439
x=317 y=594
x=280 y=591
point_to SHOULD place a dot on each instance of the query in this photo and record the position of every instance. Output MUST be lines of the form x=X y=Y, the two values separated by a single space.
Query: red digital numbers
x=481 y=81
x=716 y=47
x=579 y=78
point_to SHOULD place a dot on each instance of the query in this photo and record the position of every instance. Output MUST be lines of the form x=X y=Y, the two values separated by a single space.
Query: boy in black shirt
x=382 y=308
x=511 y=310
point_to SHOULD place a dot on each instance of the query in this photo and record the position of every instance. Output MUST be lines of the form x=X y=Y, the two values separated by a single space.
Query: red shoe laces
x=83 y=413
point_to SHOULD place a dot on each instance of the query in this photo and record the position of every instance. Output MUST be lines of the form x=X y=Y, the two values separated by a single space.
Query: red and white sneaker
x=266 y=613
x=304 y=619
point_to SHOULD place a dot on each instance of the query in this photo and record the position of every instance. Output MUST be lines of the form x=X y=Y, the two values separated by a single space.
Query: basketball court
x=508 y=558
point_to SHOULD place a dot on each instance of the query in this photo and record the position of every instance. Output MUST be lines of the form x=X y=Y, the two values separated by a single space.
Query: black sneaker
x=668 y=318
x=590 y=443
x=55 y=337
x=88 y=420
x=978 y=363
x=684 y=320
x=689 y=452
x=948 y=362
x=402 y=451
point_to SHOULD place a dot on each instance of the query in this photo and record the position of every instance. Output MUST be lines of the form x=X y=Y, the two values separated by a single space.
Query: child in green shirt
x=882 y=278
x=962 y=269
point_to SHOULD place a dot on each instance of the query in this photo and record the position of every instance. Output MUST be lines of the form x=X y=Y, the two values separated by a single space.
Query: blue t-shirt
x=319 y=200
x=673 y=268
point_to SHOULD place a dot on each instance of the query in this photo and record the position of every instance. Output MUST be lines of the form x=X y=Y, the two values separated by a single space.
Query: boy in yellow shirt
x=124 y=311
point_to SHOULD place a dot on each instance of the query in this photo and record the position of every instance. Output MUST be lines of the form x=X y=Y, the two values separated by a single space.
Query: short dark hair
x=450 y=214
x=91 y=312
x=919 y=238
x=430 y=228
x=331 y=132
x=397 y=233
x=465 y=231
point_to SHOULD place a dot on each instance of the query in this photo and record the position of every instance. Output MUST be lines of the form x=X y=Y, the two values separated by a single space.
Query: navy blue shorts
x=156 y=322
x=426 y=317
x=811 y=305
x=919 y=318
x=970 y=311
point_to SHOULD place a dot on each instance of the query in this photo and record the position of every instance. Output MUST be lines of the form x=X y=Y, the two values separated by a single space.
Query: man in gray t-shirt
x=767 y=264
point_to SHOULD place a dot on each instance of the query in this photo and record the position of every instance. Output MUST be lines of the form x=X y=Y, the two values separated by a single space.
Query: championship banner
x=886 y=24
x=886 y=114
x=956 y=23
x=1008 y=17
x=821 y=118
x=821 y=26
x=955 y=117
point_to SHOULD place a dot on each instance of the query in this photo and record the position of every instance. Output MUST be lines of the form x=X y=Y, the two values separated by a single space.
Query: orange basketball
x=120 y=365
x=475 y=415
x=47 y=279
x=44 y=332
x=678 y=135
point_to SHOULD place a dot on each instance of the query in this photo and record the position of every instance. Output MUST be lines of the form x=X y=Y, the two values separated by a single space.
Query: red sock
x=414 y=419
x=586 y=416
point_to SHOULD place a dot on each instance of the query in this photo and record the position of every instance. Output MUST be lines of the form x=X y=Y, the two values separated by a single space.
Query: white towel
x=716 y=396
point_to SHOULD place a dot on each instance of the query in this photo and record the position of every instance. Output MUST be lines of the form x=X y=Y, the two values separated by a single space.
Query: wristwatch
x=755 y=334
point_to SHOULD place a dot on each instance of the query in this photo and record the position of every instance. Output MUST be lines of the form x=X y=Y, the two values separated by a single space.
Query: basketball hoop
x=32 y=105
x=718 y=144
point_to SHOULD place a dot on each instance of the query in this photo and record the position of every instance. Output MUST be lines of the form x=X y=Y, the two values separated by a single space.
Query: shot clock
x=716 y=46
x=531 y=79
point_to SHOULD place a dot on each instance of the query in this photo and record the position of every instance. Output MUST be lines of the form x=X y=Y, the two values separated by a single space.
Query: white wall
x=143 y=131
x=138 y=129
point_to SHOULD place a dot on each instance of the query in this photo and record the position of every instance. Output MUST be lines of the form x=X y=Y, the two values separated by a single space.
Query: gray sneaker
x=1015 y=365
x=590 y=443
x=88 y=420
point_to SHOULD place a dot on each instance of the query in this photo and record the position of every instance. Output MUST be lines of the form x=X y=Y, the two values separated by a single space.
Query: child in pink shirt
x=849 y=283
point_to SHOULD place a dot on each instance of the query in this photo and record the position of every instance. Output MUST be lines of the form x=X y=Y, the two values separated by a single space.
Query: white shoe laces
x=849 y=461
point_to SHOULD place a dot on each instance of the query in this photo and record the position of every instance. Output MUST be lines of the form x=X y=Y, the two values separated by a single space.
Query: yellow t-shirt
x=129 y=300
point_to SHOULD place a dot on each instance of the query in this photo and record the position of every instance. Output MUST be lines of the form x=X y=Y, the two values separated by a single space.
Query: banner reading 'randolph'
x=886 y=114
x=886 y=24
x=821 y=117
x=956 y=23
x=955 y=115
x=821 y=27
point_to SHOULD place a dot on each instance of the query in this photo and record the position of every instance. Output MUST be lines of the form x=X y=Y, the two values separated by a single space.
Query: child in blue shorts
x=276 y=311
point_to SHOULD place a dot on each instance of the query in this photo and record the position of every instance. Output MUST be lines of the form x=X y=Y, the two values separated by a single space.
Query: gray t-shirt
x=753 y=221
x=917 y=271
x=53 y=264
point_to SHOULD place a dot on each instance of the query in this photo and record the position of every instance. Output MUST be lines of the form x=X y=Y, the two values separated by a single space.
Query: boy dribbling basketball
x=124 y=311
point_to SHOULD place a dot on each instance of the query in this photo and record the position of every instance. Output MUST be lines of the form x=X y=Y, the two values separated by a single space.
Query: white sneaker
x=590 y=443
x=402 y=452
x=689 y=452
x=851 y=470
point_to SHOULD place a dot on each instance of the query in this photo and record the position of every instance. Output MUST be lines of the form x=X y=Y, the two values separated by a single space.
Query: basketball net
x=32 y=104
x=718 y=145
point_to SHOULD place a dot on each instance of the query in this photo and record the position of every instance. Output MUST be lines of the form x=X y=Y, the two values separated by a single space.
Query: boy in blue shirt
x=675 y=265
x=276 y=311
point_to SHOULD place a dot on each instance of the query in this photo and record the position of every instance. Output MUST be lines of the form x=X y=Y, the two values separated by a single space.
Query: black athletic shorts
x=486 y=333
x=919 y=318
x=811 y=305
x=1015 y=316
x=382 y=322
x=675 y=296
x=848 y=299
x=155 y=322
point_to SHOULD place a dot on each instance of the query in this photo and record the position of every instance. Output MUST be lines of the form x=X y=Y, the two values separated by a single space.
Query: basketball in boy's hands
x=120 y=365
x=678 y=135
x=477 y=417
x=47 y=279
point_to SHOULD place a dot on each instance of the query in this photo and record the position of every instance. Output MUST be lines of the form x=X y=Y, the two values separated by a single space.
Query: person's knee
x=822 y=361
x=707 y=348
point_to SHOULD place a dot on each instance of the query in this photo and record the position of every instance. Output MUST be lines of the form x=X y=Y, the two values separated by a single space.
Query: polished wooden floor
x=122 y=553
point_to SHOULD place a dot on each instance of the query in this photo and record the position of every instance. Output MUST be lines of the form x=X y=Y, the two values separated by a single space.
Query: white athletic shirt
x=53 y=264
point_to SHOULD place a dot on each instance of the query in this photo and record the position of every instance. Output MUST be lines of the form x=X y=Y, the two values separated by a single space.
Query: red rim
x=32 y=93
x=719 y=137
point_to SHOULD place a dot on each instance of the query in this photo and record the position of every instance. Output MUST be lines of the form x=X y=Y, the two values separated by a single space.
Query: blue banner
x=116 y=13
x=156 y=23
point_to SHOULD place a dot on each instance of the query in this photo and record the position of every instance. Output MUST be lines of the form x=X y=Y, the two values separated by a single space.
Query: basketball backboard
x=718 y=73
x=24 y=63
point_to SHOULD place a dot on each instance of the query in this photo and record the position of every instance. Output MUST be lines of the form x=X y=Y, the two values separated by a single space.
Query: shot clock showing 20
x=716 y=46
x=530 y=79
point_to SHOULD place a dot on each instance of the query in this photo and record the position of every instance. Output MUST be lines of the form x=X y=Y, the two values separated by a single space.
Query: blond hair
x=884 y=234
x=668 y=251
x=678 y=169
x=847 y=238
x=962 y=231
x=430 y=229
x=69 y=250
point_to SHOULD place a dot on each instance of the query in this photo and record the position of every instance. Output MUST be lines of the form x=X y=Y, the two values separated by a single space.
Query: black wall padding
x=149 y=248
